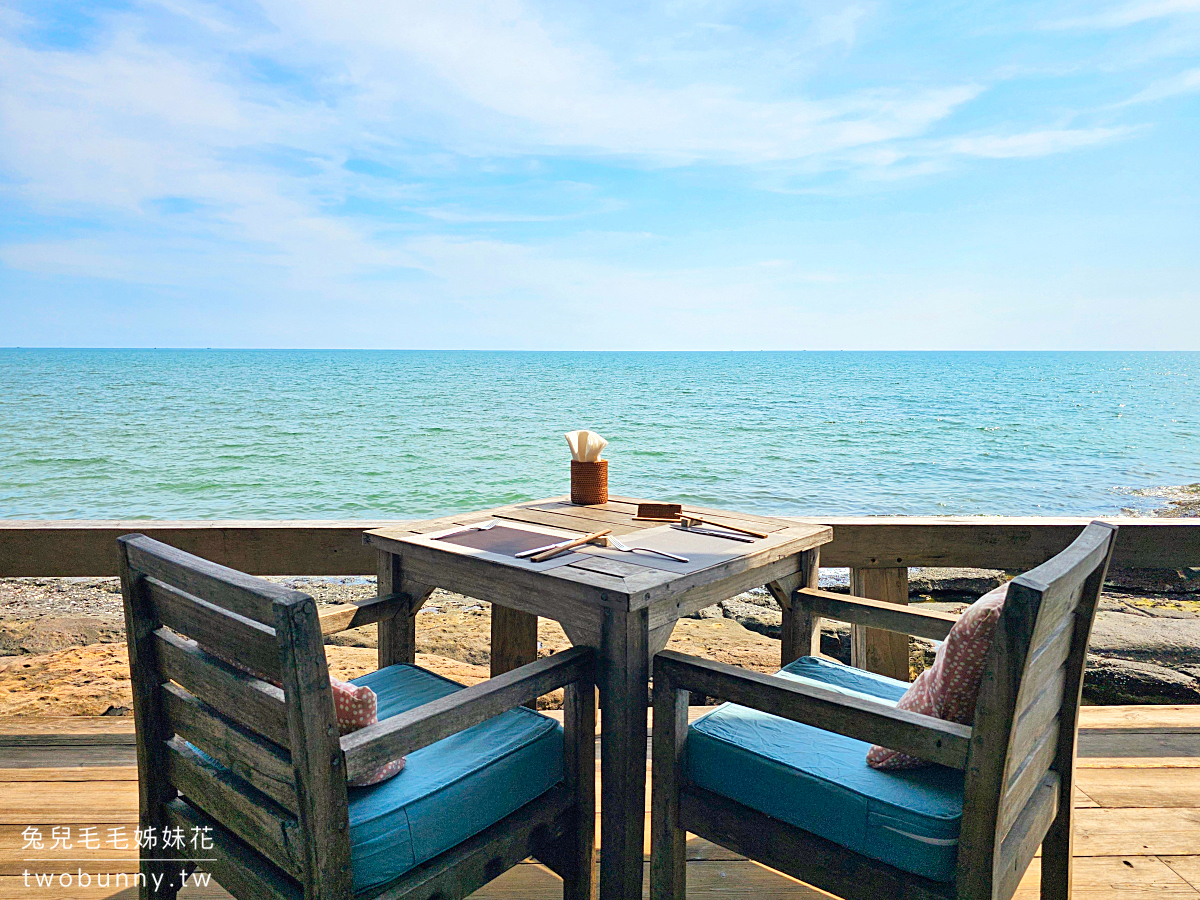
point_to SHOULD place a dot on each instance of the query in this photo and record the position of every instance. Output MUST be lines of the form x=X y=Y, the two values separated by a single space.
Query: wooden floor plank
x=1143 y=744
x=84 y=803
x=1171 y=788
x=60 y=850
x=48 y=727
x=12 y=887
x=74 y=773
x=66 y=757
x=1136 y=832
x=1139 y=717
x=1117 y=877
x=1187 y=867
x=1138 y=821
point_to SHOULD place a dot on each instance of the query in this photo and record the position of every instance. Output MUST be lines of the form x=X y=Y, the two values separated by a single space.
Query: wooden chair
x=257 y=761
x=1012 y=790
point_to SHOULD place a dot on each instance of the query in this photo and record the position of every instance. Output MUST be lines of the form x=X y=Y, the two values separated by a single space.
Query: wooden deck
x=1137 y=834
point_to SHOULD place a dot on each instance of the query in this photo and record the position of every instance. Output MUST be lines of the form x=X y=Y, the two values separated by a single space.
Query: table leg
x=514 y=639
x=398 y=635
x=800 y=633
x=624 y=675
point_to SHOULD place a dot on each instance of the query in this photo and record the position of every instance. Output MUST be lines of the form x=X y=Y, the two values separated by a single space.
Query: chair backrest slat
x=237 y=695
x=212 y=627
x=1023 y=740
x=260 y=763
x=1026 y=776
x=236 y=591
x=243 y=872
x=1021 y=843
x=1031 y=724
x=249 y=814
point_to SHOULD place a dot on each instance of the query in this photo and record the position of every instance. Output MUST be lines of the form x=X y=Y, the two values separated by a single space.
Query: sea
x=313 y=434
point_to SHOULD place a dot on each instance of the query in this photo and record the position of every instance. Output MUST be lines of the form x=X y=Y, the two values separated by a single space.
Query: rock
x=976 y=582
x=1182 y=501
x=1110 y=681
x=1156 y=581
x=725 y=641
x=1151 y=639
x=47 y=633
x=78 y=681
x=765 y=620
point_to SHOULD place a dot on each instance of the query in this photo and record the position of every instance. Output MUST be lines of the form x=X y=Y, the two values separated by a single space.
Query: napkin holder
x=589 y=482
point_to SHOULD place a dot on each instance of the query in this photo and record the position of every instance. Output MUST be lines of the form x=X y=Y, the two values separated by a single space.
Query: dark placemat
x=502 y=540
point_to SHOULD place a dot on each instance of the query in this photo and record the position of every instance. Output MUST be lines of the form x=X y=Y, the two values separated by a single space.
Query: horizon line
x=576 y=350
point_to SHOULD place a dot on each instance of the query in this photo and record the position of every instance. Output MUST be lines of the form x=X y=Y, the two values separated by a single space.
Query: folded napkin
x=585 y=445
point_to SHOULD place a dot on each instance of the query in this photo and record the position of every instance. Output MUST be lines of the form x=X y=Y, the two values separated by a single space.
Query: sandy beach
x=62 y=646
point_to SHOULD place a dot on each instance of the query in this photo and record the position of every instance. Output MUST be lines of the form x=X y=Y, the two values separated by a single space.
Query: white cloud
x=1129 y=14
x=1184 y=83
x=111 y=132
x=109 y=129
x=503 y=81
x=1032 y=143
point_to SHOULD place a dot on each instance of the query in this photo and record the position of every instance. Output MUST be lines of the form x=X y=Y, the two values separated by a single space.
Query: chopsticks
x=544 y=553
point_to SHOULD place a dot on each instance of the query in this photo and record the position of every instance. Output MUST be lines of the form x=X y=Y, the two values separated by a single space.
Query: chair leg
x=668 y=849
x=1056 y=857
x=159 y=881
x=579 y=769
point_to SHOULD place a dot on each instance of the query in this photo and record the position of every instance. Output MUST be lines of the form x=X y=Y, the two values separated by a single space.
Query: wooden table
x=625 y=608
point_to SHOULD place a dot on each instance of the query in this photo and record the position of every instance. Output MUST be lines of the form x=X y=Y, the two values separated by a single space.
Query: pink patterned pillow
x=357 y=707
x=949 y=688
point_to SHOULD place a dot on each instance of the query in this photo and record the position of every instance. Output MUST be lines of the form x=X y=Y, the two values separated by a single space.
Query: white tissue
x=585 y=445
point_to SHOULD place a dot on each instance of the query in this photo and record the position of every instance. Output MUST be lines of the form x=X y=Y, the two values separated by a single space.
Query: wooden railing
x=877 y=550
x=78 y=548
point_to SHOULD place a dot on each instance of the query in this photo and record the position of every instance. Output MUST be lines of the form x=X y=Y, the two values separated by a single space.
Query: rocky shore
x=62 y=639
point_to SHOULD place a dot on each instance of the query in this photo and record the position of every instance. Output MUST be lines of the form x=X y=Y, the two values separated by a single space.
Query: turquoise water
x=364 y=434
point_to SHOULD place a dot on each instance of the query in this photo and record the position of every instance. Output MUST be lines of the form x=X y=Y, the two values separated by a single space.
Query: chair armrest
x=876 y=613
x=373 y=746
x=362 y=612
x=917 y=735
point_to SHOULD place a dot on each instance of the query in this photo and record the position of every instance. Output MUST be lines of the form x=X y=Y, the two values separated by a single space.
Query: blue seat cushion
x=450 y=790
x=820 y=781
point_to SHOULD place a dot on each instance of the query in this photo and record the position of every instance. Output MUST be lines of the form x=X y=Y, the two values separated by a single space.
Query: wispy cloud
x=358 y=151
x=1184 y=83
x=1032 y=143
x=1128 y=14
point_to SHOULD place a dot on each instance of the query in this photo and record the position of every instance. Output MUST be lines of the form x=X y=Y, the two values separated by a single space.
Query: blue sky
x=680 y=175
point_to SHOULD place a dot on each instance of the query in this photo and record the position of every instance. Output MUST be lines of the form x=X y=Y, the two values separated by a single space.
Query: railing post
x=874 y=649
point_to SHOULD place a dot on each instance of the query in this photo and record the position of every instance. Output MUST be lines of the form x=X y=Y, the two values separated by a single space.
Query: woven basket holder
x=589 y=482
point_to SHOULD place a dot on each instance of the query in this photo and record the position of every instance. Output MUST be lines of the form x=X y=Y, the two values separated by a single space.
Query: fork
x=485 y=527
x=617 y=545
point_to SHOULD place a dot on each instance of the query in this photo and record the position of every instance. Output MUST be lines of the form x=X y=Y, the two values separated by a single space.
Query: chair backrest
x=1021 y=761
x=234 y=666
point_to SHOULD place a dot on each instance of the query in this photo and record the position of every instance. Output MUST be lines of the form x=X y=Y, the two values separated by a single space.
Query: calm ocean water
x=364 y=434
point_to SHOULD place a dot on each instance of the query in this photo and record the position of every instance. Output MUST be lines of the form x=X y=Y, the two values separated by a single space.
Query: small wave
x=1169 y=501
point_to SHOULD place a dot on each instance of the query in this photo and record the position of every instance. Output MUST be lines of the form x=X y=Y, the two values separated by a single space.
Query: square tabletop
x=434 y=554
